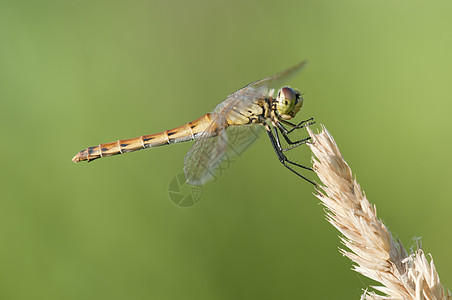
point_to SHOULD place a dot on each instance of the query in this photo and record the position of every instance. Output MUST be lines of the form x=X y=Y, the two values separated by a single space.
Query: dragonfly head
x=288 y=102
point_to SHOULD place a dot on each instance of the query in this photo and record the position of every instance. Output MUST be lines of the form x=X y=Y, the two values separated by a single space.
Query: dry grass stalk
x=377 y=254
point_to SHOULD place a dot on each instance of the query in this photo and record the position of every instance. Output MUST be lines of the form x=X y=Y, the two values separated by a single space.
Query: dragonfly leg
x=293 y=144
x=282 y=158
x=302 y=124
x=280 y=148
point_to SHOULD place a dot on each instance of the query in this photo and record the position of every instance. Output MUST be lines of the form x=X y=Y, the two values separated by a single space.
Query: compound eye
x=285 y=101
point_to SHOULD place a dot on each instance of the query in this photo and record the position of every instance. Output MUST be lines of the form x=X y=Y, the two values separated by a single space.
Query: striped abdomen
x=187 y=132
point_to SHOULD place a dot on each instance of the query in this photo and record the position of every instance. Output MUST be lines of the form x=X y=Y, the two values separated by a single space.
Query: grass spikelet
x=371 y=246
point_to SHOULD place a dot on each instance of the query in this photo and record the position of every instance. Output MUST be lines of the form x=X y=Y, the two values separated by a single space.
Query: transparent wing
x=209 y=150
x=205 y=154
x=218 y=144
x=275 y=81
x=263 y=87
x=239 y=138
x=211 y=155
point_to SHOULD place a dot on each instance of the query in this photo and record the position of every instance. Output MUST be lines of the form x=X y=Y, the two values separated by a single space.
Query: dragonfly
x=247 y=108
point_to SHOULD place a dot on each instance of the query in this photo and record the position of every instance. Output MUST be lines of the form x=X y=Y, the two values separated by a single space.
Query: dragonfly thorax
x=288 y=102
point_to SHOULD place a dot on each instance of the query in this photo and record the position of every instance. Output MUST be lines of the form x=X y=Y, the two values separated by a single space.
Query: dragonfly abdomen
x=184 y=133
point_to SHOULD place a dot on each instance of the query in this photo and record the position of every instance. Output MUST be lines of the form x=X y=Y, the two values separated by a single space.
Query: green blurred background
x=77 y=73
